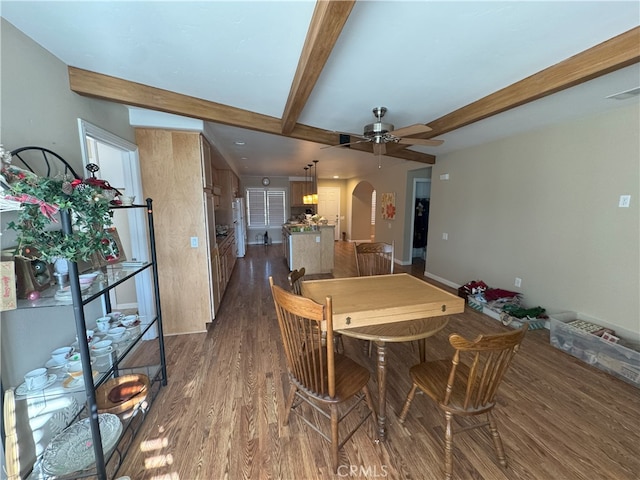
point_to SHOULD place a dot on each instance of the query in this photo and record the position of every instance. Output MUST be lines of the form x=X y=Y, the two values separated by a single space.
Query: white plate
x=107 y=351
x=23 y=390
x=52 y=364
x=72 y=449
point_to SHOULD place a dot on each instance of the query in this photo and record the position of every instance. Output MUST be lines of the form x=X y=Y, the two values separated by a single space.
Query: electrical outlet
x=445 y=236
x=518 y=282
x=194 y=242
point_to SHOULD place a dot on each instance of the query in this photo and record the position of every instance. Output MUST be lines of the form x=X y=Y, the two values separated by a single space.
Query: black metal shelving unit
x=157 y=373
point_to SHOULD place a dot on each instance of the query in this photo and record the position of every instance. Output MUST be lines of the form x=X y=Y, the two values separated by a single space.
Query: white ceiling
x=420 y=59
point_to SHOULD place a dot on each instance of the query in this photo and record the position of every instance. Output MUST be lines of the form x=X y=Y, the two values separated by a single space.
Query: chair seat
x=432 y=379
x=350 y=377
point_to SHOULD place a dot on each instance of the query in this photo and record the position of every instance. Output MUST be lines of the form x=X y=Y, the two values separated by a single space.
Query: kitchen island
x=308 y=246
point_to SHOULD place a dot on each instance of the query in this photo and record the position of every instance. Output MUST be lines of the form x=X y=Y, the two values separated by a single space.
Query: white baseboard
x=441 y=280
x=126 y=306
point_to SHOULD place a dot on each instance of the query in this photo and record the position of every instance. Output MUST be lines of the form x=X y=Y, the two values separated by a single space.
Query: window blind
x=266 y=207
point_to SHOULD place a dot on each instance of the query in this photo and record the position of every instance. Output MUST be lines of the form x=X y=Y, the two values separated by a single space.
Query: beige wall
x=543 y=206
x=37 y=106
x=389 y=179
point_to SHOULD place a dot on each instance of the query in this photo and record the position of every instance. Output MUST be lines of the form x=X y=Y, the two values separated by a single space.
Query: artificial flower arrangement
x=42 y=198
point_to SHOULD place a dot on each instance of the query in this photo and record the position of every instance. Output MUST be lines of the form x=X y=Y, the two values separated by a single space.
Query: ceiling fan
x=380 y=133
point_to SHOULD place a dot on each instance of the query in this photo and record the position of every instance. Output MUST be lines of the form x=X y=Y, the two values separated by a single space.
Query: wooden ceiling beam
x=611 y=55
x=113 y=89
x=326 y=25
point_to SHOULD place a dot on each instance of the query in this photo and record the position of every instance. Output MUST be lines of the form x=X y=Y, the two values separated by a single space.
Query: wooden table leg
x=421 y=349
x=382 y=391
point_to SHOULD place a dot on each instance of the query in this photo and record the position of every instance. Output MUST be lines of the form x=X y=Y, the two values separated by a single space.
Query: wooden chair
x=295 y=279
x=374 y=258
x=325 y=380
x=467 y=388
x=295 y=282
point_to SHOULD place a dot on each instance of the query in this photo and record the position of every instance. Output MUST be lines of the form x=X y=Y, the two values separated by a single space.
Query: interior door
x=329 y=206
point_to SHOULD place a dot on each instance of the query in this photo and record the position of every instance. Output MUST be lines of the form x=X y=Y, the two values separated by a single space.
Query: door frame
x=137 y=218
x=412 y=217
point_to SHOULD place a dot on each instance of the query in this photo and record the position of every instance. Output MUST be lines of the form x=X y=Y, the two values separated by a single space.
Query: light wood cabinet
x=229 y=185
x=227 y=259
x=313 y=250
x=207 y=167
x=171 y=164
x=297 y=191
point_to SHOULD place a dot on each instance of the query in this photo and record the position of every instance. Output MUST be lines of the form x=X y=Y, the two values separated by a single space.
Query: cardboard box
x=613 y=358
x=8 y=286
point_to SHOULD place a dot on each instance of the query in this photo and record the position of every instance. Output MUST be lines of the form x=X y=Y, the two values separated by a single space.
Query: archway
x=362 y=218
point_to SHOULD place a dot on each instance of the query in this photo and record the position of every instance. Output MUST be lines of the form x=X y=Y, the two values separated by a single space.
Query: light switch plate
x=625 y=201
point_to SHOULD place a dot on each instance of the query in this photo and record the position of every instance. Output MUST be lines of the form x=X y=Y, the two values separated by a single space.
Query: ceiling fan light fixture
x=377 y=129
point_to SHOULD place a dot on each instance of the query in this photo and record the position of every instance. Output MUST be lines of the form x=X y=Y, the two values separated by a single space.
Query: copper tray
x=120 y=394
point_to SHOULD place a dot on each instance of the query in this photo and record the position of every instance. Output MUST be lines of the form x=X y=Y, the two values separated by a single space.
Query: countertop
x=302 y=228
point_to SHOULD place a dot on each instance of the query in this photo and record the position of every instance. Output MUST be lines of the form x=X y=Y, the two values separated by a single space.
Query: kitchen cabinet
x=230 y=189
x=207 y=166
x=309 y=247
x=227 y=258
x=171 y=166
x=297 y=191
x=107 y=431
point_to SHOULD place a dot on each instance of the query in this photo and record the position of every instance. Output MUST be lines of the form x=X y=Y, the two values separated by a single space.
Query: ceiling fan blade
x=411 y=130
x=344 y=144
x=379 y=148
x=427 y=142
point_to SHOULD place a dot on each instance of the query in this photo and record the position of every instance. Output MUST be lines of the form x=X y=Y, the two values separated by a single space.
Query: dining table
x=383 y=309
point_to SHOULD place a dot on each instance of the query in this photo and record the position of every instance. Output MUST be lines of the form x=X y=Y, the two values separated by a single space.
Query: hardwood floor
x=220 y=417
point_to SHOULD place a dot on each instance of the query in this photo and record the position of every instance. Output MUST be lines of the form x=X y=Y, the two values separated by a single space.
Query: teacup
x=101 y=347
x=36 y=378
x=114 y=316
x=128 y=320
x=61 y=354
x=127 y=200
x=116 y=333
x=74 y=369
x=103 y=323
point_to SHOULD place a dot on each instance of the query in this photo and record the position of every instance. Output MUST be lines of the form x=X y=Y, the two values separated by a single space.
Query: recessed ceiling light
x=239 y=143
x=336 y=176
x=243 y=158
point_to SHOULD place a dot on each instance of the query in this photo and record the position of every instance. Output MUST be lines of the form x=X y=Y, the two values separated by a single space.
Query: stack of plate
x=72 y=449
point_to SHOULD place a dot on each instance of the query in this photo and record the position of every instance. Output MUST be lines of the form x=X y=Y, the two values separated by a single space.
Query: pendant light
x=308 y=197
x=306 y=186
x=314 y=196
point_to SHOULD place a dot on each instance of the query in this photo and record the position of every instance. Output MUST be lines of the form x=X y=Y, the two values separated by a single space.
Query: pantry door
x=329 y=206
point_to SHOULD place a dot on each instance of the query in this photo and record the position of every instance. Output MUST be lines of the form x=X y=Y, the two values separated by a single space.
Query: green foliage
x=90 y=215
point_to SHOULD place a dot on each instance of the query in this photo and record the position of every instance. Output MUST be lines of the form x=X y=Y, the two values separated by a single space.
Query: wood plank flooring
x=220 y=417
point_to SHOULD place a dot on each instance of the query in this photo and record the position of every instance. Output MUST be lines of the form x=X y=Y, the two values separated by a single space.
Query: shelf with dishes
x=97 y=283
x=123 y=402
x=62 y=373
x=125 y=387
x=96 y=391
